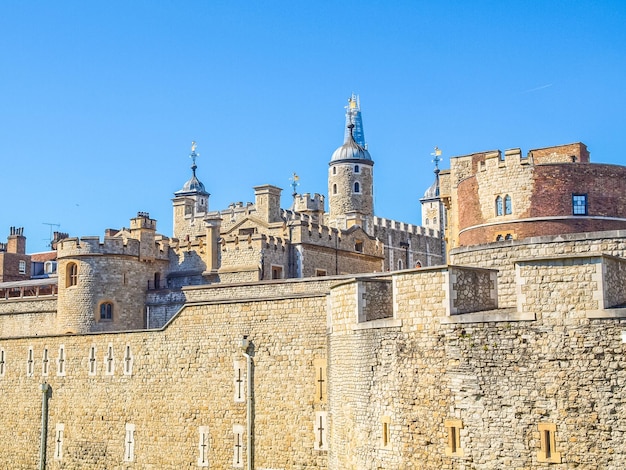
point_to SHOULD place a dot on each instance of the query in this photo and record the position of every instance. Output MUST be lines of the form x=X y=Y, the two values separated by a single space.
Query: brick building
x=495 y=196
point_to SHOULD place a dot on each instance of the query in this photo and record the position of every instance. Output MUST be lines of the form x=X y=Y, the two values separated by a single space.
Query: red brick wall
x=9 y=267
x=553 y=186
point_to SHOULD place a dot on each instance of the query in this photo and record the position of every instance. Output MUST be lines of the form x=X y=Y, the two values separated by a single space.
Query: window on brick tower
x=106 y=311
x=499 y=207
x=579 y=204
x=22 y=267
x=357 y=187
x=507 y=205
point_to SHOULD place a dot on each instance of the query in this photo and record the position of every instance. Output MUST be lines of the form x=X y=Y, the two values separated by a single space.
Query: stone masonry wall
x=503 y=255
x=614 y=281
x=183 y=377
x=19 y=317
x=498 y=379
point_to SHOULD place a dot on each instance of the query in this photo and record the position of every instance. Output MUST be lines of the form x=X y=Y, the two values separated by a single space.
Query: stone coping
x=488 y=316
x=607 y=313
x=568 y=237
x=380 y=323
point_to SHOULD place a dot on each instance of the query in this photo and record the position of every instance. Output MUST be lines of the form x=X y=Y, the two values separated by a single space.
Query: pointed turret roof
x=193 y=185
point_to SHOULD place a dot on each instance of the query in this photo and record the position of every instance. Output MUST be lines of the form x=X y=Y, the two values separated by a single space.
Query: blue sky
x=100 y=100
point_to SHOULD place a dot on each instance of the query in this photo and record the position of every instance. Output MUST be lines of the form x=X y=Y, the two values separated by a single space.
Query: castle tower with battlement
x=191 y=204
x=499 y=196
x=102 y=284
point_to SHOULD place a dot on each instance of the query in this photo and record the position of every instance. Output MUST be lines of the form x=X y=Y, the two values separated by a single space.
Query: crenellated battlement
x=71 y=247
x=394 y=225
x=306 y=202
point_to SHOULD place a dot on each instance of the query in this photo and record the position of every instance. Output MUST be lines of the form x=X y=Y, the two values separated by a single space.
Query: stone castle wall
x=21 y=317
x=554 y=362
x=183 y=377
x=409 y=356
x=503 y=255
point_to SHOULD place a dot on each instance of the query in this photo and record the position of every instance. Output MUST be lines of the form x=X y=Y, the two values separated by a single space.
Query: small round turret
x=351 y=185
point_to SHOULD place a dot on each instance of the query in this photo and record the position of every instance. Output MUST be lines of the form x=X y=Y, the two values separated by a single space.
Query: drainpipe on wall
x=44 y=425
x=245 y=343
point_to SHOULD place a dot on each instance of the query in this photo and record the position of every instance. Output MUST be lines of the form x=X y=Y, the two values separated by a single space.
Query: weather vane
x=193 y=154
x=294 y=182
x=437 y=157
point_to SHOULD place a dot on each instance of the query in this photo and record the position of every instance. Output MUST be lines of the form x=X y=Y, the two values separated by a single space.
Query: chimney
x=16 y=242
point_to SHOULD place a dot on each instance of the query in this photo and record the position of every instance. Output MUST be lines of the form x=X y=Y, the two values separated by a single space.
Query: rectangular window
x=320 y=272
x=2 y=362
x=239 y=381
x=128 y=361
x=453 y=445
x=30 y=363
x=358 y=246
x=547 y=442
x=58 y=441
x=129 y=443
x=22 y=267
x=277 y=272
x=61 y=362
x=320 y=367
x=203 y=447
x=579 y=204
x=238 y=446
x=109 y=366
x=92 y=360
x=45 y=362
x=385 y=438
x=321 y=433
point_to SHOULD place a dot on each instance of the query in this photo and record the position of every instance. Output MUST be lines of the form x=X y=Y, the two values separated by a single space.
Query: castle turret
x=143 y=228
x=351 y=186
x=191 y=204
x=267 y=203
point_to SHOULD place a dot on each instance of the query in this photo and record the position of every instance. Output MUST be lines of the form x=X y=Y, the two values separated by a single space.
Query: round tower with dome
x=351 y=185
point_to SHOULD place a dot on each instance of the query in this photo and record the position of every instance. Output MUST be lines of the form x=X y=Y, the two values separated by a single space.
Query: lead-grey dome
x=433 y=191
x=351 y=150
x=194 y=185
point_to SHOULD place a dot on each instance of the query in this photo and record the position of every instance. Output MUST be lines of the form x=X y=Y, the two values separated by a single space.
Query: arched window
x=418 y=264
x=499 y=238
x=399 y=264
x=334 y=170
x=357 y=187
x=334 y=189
x=427 y=220
x=507 y=205
x=106 y=311
x=499 y=208
x=508 y=237
x=71 y=275
x=434 y=220
x=356 y=168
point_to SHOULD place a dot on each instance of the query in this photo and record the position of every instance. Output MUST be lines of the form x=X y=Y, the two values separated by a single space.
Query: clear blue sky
x=100 y=100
